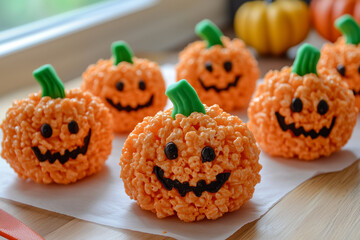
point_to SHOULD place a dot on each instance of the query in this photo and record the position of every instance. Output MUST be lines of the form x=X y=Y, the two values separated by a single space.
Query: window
x=72 y=39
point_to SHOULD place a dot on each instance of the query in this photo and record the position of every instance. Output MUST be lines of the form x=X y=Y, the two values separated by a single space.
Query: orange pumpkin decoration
x=325 y=12
x=343 y=57
x=221 y=70
x=192 y=161
x=131 y=87
x=57 y=136
x=294 y=113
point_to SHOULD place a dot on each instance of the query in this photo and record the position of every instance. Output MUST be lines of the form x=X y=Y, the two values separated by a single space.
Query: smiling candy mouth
x=51 y=157
x=128 y=108
x=184 y=188
x=232 y=84
x=325 y=132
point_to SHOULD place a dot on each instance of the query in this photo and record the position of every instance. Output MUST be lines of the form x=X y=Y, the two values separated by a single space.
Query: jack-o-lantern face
x=71 y=147
x=294 y=113
x=207 y=155
x=192 y=161
x=221 y=70
x=212 y=67
x=343 y=57
x=131 y=87
x=57 y=136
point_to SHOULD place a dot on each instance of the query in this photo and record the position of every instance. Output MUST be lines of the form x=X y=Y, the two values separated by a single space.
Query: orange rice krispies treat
x=195 y=165
x=221 y=70
x=59 y=139
x=342 y=58
x=296 y=114
x=131 y=87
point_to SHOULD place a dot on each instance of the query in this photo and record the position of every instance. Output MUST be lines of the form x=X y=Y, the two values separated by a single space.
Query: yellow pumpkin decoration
x=272 y=27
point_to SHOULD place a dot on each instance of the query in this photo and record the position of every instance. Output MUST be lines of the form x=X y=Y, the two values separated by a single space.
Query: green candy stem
x=121 y=52
x=209 y=32
x=306 y=60
x=349 y=29
x=184 y=98
x=50 y=82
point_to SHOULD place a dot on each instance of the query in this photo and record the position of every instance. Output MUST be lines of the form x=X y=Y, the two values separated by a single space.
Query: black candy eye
x=341 y=69
x=171 y=151
x=46 y=130
x=227 y=66
x=142 y=85
x=207 y=154
x=322 y=107
x=359 y=69
x=296 y=105
x=208 y=66
x=73 y=127
x=119 y=86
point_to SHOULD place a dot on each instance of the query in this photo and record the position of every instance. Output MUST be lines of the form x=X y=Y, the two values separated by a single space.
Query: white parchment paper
x=101 y=198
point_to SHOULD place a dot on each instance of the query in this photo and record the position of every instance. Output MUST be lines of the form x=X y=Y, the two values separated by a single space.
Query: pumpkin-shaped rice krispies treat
x=296 y=114
x=132 y=88
x=342 y=58
x=221 y=70
x=56 y=135
x=192 y=161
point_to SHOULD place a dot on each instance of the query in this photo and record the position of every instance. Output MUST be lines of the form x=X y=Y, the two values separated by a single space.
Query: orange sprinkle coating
x=192 y=67
x=21 y=129
x=236 y=152
x=276 y=93
x=101 y=79
x=348 y=55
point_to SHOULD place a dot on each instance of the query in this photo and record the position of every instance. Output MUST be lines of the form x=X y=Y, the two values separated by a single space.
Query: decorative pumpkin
x=56 y=136
x=295 y=113
x=131 y=87
x=221 y=70
x=272 y=27
x=343 y=57
x=192 y=161
x=325 y=12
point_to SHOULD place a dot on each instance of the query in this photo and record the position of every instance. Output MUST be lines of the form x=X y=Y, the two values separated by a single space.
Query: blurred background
x=71 y=34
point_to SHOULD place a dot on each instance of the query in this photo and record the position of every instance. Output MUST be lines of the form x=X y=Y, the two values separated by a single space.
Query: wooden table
x=324 y=207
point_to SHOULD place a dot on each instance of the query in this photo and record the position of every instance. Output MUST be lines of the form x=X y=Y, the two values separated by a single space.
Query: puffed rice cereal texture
x=276 y=94
x=21 y=132
x=334 y=55
x=236 y=153
x=135 y=100
x=194 y=63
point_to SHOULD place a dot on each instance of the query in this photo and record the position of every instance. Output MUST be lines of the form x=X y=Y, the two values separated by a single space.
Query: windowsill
x=32 y=34
x=70 y=48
